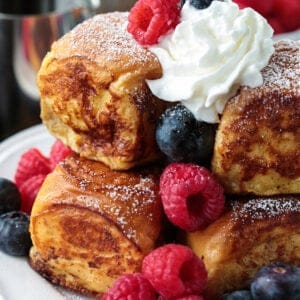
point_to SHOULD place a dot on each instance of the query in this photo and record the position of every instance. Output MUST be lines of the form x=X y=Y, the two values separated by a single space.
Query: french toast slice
x=90 y=224
x=94 y=95
x=252 y=233
x=257 y=147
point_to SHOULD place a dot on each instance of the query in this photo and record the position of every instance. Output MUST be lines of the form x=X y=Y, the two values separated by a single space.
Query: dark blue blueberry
x=277 y=281
x=14 y=233
x=238 y=295
x=184 y=139
x=10 y=198
x=199 y=4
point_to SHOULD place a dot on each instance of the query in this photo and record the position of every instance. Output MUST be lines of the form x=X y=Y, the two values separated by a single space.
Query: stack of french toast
x=99 y=212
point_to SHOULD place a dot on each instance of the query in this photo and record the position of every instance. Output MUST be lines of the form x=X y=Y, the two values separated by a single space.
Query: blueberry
x=184 y=139
x=275 y=282
x=14 y=233
x=10 y=198
x=238 y=295
x=199 y=4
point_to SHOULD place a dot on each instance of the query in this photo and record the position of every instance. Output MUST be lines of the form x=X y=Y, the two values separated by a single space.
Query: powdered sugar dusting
x=123 y=197
x=265 y=208
x=283 y=70
x=105 y=39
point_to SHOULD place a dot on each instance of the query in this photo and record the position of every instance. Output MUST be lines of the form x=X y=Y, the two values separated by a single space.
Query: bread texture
x=94 y=95
x=251 y=234
x=257 y=147
x=90 y=224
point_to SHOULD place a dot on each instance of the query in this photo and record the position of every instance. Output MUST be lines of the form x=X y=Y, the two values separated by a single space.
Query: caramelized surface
x=89 y=224
x=252 y=233
x=257 y=147
x=94 y=96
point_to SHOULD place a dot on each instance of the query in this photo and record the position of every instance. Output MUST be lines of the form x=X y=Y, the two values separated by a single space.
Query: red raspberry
x=29 y=190
x=264 y=7
x=175 y=271
x=31 y=163
x=287 y=12
x=59 y=151
x=131 y=286
x=191 y=196
x=149 y=19
x=276 y=25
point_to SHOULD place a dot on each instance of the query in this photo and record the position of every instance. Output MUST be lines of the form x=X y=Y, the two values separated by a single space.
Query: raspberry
x=191 y=196
x=288 y=12
x=31 y=163
x=131 y=286
x=175 y=271
x=149 y=19
x=276 y=25
x=59 y=151
x=29 y=189
x=264 y=7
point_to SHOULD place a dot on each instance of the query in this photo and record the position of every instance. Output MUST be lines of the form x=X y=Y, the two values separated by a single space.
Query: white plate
x=17 y=280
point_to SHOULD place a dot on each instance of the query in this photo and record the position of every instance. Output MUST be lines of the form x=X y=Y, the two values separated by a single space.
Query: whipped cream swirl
x=209 y=55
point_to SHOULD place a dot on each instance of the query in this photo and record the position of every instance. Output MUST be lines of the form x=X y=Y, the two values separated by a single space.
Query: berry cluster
x=150 y=19
x=32 y=169
x=278 y=281
x=171 y=271
x=282 y=15
x=16 y=198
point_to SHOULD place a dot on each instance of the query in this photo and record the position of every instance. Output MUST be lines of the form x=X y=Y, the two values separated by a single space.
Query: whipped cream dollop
x=209 y=55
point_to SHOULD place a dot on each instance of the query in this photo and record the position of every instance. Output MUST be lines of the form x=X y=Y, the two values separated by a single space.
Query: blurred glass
x=27 y=30
x=112 y=5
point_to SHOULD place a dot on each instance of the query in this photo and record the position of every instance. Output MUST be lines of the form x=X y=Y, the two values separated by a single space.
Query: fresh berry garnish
x=278 y=281
x=10 y=198
x=175 y=271
x=276 y=25
x=131 y=286
x=29 y=190
x=150 y=19
x=184 y=139
x=58 y=152
x=199 y=4
x=288 y=12
x=191 y=196
x=32 y=162
x=238 y=295
x=14 y=233
x=263 y=7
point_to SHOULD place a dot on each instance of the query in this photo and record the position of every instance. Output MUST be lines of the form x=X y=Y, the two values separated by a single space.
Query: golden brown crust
x=257 y=144
x=90 y=224
x=94 y=96
x=252 y=233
